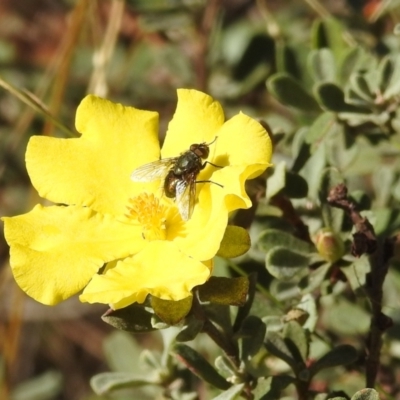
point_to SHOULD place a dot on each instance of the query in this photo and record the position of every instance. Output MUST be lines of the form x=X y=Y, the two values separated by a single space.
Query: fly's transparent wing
x=186 y=197
x=154 y=170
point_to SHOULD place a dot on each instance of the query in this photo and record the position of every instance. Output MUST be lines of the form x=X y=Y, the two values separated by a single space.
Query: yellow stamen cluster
x=147 y=210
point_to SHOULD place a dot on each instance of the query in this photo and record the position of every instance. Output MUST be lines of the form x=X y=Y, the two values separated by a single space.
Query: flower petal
x=94 y=170
x=56 y=250
x=205 y=230
x=243 y=141
x=160 y=269
x=197 y=119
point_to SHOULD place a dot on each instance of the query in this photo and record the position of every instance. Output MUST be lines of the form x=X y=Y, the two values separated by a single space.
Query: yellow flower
x=101 y=217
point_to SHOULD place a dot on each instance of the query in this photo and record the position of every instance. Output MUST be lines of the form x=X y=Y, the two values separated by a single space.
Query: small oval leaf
x=251 y=337
x=109 y=381
x=231 y=394
x=171 y=312
x=277 y=346
x=332 y=98
x=225 y=291
x=290 y=92
x=321 y=64
x=321 y=128
x=296 y=339
x=199 y=366
x=283 y=263
x=271 y=238
x=133 y=318
x=236 y=242
x=340 y=355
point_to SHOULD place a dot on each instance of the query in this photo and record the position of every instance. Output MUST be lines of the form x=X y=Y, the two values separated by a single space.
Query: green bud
x=329 y=245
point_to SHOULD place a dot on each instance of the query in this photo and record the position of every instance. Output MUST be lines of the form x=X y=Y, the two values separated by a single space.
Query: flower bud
x=329 y=245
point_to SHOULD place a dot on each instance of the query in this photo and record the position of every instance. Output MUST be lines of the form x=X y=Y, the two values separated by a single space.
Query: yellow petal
x=56 y=250
x=160 y=269
x=94 y=170
x=197 y=118
x=243 y=141
x=205 y=230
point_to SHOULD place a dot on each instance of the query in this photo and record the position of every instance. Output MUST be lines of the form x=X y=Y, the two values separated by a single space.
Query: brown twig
x=380 y=251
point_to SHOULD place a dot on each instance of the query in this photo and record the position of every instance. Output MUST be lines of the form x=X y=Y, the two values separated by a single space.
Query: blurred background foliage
x=325 y=76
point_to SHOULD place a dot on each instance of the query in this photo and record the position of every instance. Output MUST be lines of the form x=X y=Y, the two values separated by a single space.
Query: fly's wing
x=153 y=171
x=186 y=197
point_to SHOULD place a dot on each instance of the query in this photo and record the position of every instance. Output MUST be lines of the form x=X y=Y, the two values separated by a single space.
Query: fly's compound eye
x=201 y=150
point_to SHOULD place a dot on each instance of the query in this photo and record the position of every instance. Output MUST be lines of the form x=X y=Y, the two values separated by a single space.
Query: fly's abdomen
x=170 y=184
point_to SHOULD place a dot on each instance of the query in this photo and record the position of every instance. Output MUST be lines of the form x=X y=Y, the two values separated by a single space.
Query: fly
x=179 y=175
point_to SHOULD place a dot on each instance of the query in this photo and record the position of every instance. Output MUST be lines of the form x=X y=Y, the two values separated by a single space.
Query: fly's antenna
x=208 y=144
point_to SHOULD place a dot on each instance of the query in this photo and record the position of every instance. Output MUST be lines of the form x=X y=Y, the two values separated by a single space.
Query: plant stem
x=365 y=242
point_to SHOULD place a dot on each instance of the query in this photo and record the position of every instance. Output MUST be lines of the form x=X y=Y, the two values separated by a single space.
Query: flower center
x=148 y=211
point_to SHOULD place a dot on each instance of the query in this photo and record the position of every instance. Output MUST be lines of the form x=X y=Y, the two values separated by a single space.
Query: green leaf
x=289 y=183
x=320 y=128
x=344 y=317
x=296 y=186
x=328 y=32
x=360 y=86
x=295 y=338
x=286 y=60
x=251 y=337
x=385 y=71
x=224 y=291
x=277 y=181
x=236 y=241
x=314 y=279
x=383 y=179
x=393 y=87
x=321 y=64
x=356 y=273
x=312 y=170
x=120 y=348
x=356 y=119
x=245 y=309
x=332 y=98
x=171 y=312
x=231 y=394
x=278 y=347
x=340 y=355
x=225 y=366
x=271 y=238
x=290 y=92
x=362 y=199
x=46 y=386
x=353 y=58
x=353 y=98
x=220 y=315
x=270 y=388
x=366 y=394
x=107 y=382
x=133 y=318
x=285 y=264
x=199 y=366
x=192 y=328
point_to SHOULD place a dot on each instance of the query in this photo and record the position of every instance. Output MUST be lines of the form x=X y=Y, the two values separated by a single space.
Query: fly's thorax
x=188 y=162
